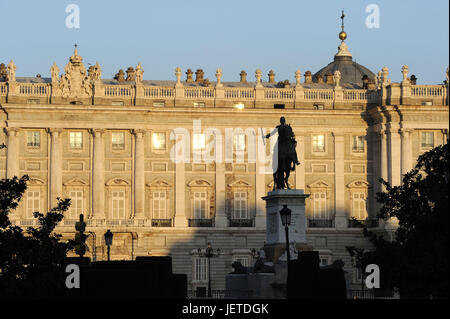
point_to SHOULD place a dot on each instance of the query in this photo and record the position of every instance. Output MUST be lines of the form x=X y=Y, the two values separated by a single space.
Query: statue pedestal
x=275 y=233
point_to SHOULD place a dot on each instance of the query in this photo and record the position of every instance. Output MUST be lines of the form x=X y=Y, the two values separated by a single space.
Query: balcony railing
x=369 y=223
x=320 y=223
x=161 y=222
x=241 y=222
x=201 y=222
x=203 y=294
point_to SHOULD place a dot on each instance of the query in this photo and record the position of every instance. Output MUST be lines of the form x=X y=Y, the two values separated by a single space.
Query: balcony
x=369 y=223
x=201 y=222
x=241 y=222
x=161 y=222
x=320 y=223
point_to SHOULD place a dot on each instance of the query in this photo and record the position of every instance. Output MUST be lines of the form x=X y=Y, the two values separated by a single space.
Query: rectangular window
x=199 y=141
x=427 y=139
x=199 y=104
x=359 y=206
x=318 y=143
x=358 y=144
x=118 y=204
x=158 y=104
x=159 y=205
x=200 y=210
x=240 y=205
x=76 y=204
x=33 y=139
x=159 y=141
x=320 y=206
x=323 y=261
x=33 y=202
x=200 y=269
x=239 y=142
x=244 y=260
x=357 y=275
x=76 y=140
x=118 y=140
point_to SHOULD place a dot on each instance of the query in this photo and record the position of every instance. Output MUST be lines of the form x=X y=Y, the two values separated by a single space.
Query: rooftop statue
x=287 y=155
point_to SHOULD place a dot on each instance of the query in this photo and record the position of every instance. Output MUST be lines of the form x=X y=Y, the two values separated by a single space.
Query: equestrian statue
x=287 y=155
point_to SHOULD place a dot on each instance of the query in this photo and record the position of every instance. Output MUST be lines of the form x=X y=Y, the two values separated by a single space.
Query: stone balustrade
x=411 y=94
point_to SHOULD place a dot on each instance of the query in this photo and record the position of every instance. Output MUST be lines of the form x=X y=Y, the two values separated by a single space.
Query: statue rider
x=286 y=139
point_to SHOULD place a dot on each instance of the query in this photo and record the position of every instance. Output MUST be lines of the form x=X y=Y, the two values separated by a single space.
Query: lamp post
x=285 y=214
x=108 y=240
x=209 y=253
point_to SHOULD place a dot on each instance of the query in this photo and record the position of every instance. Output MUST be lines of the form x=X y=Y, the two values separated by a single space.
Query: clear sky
x=283 y=35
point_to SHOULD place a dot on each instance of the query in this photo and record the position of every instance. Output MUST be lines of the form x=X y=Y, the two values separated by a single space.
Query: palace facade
x=111 y=146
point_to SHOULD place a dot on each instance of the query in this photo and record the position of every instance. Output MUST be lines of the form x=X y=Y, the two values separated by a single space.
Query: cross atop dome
x=343 y=48
x=342 y=34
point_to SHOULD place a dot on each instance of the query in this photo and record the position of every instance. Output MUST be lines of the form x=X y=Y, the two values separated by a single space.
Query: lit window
x=76 y=204
x=158 y=104
x=199 y=141
x=118 y=140
x=318 y=143
x=359 y=206
x=76 y=140
x=239 y=106
x=159 y=205
x=33 y=202
x=118 y=204
x=33 y=139
x=200 y=268
x=199 y=104
x=239 y=142
x=427 y=139
x=240 y=205
x=159 y=141
x=358 y=144
x=200 y=210
x=320 y=206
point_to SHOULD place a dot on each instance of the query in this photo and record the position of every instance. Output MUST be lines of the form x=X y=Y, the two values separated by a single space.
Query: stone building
x=113 y=147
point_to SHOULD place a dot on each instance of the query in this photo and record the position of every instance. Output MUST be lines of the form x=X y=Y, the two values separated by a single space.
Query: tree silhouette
x=30 y=260
x=417 y=260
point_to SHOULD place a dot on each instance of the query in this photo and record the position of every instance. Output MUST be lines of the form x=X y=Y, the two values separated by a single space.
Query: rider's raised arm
x=273 y=132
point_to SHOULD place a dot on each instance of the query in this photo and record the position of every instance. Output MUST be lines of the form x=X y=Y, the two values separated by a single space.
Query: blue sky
x=283 y=35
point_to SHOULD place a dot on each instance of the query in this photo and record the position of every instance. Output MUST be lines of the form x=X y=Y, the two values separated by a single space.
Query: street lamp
x=209 y=253
x=108 y=240
x=285 y=214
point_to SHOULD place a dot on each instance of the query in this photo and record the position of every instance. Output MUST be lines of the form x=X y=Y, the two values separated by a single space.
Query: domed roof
x=351 y=72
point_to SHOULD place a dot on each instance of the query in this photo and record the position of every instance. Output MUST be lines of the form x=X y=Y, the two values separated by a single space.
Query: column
x=406 y=151
x=300 y=169
x=260 y=181
x=55 y=166
x=180 y=181
x=340 y=217
x=394 y=155
x=221 y=218
x=383 y=157
x=139 y=175
x=12 y=154
x=98 y=175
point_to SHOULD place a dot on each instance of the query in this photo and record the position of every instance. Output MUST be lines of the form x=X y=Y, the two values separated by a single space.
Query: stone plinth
x=275 y=232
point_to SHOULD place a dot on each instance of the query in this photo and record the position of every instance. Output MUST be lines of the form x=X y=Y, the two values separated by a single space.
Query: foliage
x=29 y=259
x=417 y=260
